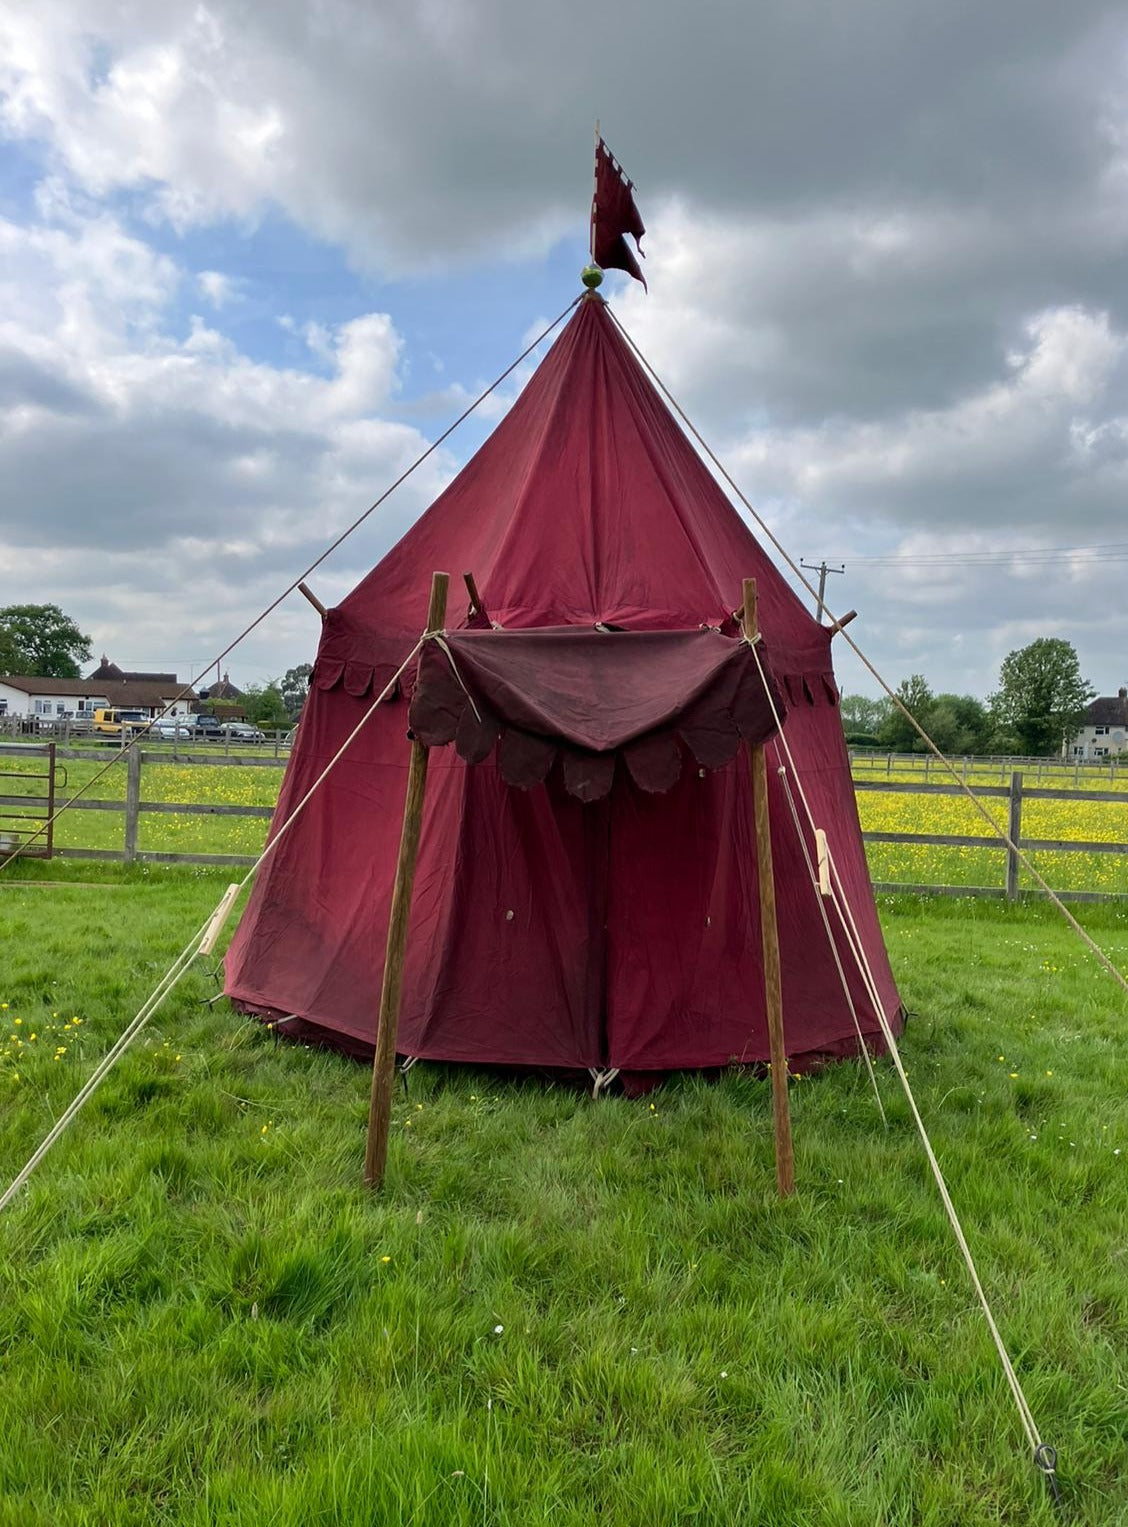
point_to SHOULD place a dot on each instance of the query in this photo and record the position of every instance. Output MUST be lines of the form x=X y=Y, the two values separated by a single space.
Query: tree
x=1041 y=697
x=40 y=639
x=896 y=732
x=295 y=687
x=960 y=724
x=861 y=713
x=264 y=705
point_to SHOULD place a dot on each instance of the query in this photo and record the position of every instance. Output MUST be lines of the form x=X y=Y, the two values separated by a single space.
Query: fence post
x=132 y=801
x=1014 y=830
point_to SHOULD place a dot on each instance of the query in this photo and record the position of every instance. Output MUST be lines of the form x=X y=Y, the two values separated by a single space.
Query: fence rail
x=133 y=808
x=967 y=768
x=71 y=731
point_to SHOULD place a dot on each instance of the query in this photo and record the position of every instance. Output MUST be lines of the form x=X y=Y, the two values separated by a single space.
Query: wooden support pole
x=769 y=935
x=303 y=588
x=384 y=1060
x=842 y=621
x=472 y=591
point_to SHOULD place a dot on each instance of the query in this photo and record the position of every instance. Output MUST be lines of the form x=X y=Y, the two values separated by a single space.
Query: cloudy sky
x=254 y=257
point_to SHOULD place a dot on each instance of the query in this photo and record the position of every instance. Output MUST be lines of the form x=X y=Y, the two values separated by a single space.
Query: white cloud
x=142 y=469
x=217 y=288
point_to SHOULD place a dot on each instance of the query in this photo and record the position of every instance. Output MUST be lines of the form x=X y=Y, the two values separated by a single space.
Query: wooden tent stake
x=384 y=1060
x=769 y=934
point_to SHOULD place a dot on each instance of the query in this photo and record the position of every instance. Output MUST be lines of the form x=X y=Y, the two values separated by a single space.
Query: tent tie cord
x=300 y=579
x=403 y=1068
x=837 y=627
x=183 y=960
x=846 y=916
x=440 y=641
x=813 y=873
x=601 y=1079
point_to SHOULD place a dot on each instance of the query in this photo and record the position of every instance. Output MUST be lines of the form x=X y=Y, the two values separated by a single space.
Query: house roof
x=123 y=693
x=224 y=690
x=108 y=670
x=1108 y=710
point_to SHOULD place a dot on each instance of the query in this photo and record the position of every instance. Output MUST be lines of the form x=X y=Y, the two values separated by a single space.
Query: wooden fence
x=869 y=764
x=1015 y=791
x=133 y=807
x=71 y=731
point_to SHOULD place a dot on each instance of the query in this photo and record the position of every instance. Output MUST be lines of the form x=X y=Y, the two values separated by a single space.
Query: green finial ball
x=591 y=276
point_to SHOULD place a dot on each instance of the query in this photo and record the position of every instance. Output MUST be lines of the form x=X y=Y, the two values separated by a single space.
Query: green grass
x=205 y=1319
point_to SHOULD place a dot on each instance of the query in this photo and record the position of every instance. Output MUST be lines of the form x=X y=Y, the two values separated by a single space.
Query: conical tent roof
x=546 y=932
x=586 y=504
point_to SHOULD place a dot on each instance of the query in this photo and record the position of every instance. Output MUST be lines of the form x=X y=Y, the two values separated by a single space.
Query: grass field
x=559 y=1311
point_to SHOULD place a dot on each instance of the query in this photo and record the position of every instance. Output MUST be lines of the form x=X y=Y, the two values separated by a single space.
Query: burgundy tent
x=586 y=892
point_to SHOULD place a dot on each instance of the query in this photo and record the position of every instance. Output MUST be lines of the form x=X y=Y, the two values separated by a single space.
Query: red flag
x=613 y=216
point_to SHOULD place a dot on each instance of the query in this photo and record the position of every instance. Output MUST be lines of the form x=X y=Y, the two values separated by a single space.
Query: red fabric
x=613 y=215
x=546 y=931
x=588 y=696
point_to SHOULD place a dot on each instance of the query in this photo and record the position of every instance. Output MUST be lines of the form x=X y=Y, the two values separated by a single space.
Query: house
x=32 y=696
x=1104 y=730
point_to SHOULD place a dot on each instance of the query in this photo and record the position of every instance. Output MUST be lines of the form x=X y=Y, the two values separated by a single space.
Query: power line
x=1108 y=551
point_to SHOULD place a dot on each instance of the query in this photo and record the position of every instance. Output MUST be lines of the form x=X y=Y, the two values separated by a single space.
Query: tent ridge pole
x=391 y=990
x=769 y=934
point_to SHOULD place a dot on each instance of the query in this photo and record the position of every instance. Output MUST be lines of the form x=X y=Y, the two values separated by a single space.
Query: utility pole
x=822 y=569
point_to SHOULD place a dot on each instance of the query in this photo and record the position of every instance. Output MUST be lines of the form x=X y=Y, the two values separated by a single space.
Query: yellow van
x=110 y=722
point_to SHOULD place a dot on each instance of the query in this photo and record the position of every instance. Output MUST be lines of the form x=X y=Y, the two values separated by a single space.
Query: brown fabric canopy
x=589 y=696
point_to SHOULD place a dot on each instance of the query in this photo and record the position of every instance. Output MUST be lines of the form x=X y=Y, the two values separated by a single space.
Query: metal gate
x=27 y=799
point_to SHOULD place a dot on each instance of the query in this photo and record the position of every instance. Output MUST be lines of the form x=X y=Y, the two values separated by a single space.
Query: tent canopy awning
x=588 y=696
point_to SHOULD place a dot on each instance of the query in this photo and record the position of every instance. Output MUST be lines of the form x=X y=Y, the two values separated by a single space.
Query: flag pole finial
x=591 y=276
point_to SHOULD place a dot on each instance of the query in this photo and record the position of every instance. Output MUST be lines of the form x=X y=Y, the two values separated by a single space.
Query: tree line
x=1039 y=705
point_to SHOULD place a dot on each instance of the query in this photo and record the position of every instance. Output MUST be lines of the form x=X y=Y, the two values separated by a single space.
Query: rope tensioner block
x=218 y=918
x=823 y=859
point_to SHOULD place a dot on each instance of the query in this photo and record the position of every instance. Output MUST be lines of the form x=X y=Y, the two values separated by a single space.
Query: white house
x=1104 y=730
x=56 y=699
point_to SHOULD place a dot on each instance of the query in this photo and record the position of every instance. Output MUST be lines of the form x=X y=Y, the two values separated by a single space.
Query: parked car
x=171 y=728
x=204 y=725
x=242 y=731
